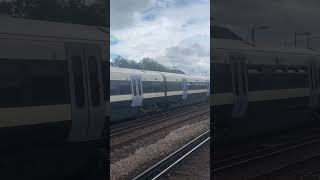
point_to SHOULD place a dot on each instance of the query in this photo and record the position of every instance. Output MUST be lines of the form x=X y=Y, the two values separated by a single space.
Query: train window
x=196 y=85
x=106 y=81
x=302 y=70
x=279 y=70
x=134 y=87
x=120 y=87
x=278 y=80
x=222 y=78
x=33 y=83
x=292 y=70
x=78 y=80
x=48 y=83
x=11 y=87
x=243 y=77
x=254 y=70
x=140 y=86
x=236 y=78
x=153 y=86
x=94 y=80
x=174 y=86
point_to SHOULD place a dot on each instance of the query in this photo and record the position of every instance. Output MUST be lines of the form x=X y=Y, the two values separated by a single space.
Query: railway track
x=128 y=126
x=261 y=162
x=129 y=134
x=158 y=169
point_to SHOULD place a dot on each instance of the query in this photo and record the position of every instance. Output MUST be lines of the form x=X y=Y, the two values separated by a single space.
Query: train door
x=184 y=89
x=86 y=86
x=314 y=84
x=318 y=83
x=240 y=86
x=137 y=92
x=208 y=87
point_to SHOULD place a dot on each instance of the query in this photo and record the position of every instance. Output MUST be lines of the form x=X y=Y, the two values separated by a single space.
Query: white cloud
x=177 y=35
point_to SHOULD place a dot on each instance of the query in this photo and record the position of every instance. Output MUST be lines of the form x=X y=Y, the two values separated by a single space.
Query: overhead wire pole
x=253 y=30
x=309 y=38
x=308 y=34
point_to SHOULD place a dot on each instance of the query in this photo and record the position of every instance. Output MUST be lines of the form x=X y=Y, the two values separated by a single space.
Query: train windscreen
x=223 y=33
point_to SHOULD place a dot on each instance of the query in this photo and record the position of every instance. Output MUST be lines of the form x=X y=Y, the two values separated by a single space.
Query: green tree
x=68 y=11
x=145 y=64
x=6 y=8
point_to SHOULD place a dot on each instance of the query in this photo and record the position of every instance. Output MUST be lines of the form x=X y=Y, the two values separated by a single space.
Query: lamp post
x=253 y=30
x=308 y=34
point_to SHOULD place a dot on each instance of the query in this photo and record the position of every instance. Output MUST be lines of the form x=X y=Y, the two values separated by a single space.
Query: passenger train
x=53 y=79
x=135 y=93
x=256 y=91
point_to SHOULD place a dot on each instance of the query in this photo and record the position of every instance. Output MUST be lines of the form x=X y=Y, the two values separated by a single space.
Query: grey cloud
x=195 y=50
x=122 y=11
x=188 y=57
x=283 y=16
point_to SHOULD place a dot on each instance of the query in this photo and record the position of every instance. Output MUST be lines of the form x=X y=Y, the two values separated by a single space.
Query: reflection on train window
x=118 y=87
x=33 y=84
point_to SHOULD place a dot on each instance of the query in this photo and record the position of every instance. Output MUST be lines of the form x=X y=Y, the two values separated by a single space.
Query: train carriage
x=198 y=89
x=135 y=93
x=52 y=105
x=131 y=89
x=51 y=81
x=262 y=90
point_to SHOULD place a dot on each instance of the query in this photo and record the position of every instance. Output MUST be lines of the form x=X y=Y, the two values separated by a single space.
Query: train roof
x=242 y=46
x=218 y=32
x=132 y=71
x=152 y=73
x=44 y=40
x=234 y=43
x=12 y=26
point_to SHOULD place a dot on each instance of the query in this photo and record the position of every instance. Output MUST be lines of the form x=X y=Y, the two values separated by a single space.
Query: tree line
x=92 y=12
x=144 y=64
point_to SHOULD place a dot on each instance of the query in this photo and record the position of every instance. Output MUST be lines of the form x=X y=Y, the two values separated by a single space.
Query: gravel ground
x=143 y=157
x=221 y=152
x=307 y=170
x=129 y=148
x=194 y=167
x=274 y=164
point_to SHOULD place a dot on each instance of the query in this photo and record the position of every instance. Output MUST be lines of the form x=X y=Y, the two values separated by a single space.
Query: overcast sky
x=283 y=16
x=169 y=31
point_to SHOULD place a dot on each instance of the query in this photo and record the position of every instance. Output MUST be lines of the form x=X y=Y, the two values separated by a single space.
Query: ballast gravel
x=153 y=152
